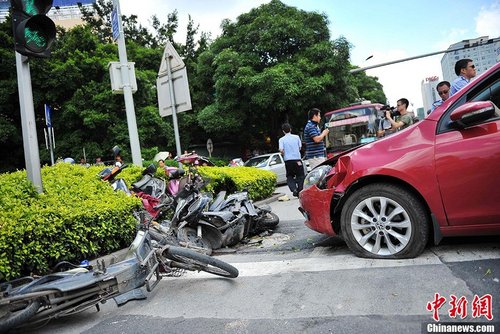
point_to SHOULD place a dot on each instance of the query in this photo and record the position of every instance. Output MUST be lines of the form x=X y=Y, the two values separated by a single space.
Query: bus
x=352 y=126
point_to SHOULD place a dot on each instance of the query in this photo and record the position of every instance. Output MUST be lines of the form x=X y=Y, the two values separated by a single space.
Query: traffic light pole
x=127 y=93
x=30 y=140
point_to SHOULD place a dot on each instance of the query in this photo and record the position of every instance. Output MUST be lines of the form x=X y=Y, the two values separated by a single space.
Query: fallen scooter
x=211 y=224
x=198 y=221
x=110 y=174
x=28 y=301
x=158 y=199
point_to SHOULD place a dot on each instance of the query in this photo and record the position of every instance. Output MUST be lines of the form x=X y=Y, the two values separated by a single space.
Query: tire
x=384 y=221
x=190 y=237
x=268 y=221
x=15 y=314
x=188 y=259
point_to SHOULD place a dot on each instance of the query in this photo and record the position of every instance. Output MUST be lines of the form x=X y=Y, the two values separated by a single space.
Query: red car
x=437 y=178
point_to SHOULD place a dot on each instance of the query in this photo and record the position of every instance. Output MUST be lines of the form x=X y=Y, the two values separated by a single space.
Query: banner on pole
x=48 y=116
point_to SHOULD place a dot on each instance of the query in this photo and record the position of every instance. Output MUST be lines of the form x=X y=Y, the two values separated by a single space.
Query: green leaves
x=78 y=216
x=270 y=66
x=259 y=183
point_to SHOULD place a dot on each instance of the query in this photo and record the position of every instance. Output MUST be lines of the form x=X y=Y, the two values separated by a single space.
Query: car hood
x=407 y=155
x=333 y=160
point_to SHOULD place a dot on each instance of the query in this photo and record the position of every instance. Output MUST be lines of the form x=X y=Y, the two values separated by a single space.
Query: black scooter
x=223 y=221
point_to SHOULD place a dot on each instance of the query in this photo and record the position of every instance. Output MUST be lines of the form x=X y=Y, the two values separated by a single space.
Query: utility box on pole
x=115 y=73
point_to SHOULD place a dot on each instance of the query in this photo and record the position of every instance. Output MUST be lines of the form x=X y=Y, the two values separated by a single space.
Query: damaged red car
x=437 y=178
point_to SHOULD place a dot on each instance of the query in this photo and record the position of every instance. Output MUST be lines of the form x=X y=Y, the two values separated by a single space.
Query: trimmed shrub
x=259 y=183
x=78 y=216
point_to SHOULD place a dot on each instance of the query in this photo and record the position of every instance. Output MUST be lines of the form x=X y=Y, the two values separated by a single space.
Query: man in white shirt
x=289 y=146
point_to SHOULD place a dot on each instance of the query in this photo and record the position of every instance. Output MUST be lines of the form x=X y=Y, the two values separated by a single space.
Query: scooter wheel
x=17 y=313
x=194 y=261
x=268 y=221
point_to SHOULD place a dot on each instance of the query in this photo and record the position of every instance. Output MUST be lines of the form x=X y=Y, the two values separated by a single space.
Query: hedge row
x=259 y=183
x=78 y=216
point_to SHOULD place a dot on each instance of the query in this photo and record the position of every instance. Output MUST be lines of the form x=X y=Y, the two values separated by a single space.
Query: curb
x=274 y=197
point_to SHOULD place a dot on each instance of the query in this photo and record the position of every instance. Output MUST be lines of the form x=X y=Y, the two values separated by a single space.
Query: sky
x=387 y=30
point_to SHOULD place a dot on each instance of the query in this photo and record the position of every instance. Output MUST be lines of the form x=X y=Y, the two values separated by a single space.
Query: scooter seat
x=176 y=173
x=140 y=185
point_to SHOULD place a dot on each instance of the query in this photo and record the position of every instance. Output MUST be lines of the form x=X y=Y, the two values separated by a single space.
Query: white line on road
x=351 y=262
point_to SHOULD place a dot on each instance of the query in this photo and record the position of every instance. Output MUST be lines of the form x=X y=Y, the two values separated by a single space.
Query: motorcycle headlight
x=317 y=176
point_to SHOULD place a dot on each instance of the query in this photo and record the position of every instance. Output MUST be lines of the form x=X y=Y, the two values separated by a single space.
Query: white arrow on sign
x=176 y=62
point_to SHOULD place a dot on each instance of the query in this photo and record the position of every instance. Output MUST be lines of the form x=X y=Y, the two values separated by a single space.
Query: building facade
x=483 y=51
x=4 y=9
x=429 y=93
x=64 y=13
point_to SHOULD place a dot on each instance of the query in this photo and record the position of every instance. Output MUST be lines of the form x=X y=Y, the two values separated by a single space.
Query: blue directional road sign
x=114 y=24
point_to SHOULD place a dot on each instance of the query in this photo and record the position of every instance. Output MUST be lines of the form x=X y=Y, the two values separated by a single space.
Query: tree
x=10 y=119
x=366 y=87
x=271 y=65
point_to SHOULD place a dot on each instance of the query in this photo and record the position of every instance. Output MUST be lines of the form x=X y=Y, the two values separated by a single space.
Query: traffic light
x=34 y=32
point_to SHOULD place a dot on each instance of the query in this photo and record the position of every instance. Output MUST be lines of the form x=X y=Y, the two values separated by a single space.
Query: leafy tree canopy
x=269 y=66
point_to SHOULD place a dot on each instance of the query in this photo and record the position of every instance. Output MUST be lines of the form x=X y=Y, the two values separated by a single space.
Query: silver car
x=272 y=162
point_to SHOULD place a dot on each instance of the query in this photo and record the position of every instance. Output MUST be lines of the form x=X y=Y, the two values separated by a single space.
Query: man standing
x=404 y=119
x=315 y=147
x=465 y=70
x=443 y=89
x=289 y=146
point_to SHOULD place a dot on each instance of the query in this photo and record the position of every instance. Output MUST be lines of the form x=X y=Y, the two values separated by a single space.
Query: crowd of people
x=290 y=145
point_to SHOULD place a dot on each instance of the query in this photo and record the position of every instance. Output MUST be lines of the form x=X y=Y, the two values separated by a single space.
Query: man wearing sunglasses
x=465 y=70
x=443 y=89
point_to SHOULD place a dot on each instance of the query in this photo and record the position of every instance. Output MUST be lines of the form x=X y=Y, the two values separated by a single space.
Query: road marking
x=464 y=253
x=319 y=262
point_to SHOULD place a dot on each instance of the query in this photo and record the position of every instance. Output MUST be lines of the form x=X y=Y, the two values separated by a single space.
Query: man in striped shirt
x=313 y=136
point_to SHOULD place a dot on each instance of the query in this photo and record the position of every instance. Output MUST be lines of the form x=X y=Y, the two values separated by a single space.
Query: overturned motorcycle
x=190 y=218
x=209 y=224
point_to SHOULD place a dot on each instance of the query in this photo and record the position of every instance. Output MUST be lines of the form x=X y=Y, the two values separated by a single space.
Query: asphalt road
x=297 y=281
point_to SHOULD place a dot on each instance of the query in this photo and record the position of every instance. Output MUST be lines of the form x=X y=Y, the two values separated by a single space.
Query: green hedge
x=78 y=216
x=259 y=183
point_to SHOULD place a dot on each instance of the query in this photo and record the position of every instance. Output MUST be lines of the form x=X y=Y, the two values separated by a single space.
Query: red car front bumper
x=315 y=205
